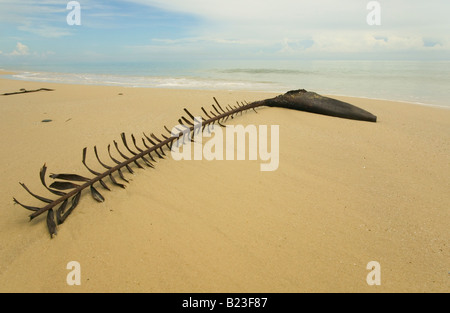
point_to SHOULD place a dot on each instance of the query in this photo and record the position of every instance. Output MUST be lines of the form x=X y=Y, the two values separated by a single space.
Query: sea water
x=424 y=82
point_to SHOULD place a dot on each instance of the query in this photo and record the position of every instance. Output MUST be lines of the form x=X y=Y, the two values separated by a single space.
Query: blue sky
x=36 y=31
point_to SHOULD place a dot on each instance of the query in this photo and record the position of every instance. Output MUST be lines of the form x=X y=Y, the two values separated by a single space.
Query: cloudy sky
x=36 y=31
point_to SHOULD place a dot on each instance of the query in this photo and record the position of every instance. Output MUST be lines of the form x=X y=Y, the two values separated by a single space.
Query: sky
x=37 y=32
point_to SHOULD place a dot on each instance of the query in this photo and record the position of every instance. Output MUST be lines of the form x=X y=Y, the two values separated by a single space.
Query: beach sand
x=346 y=193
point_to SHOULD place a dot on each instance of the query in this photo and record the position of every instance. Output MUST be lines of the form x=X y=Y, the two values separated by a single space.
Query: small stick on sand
x=26 y=91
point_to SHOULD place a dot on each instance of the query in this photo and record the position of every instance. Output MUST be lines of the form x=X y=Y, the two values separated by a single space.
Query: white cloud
x=310 y=14
x=44 y=30
x=16 y=10
x=300 y=26
x=21 y=50
x=250 y=10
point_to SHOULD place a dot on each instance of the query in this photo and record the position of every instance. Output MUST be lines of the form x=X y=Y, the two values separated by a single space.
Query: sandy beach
x=346 y=193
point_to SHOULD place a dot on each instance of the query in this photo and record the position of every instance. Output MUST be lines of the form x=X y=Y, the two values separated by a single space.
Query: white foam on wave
x=208 y=81
x=141 y=81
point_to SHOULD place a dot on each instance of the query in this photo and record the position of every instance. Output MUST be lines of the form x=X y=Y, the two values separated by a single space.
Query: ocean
x=422 y=82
